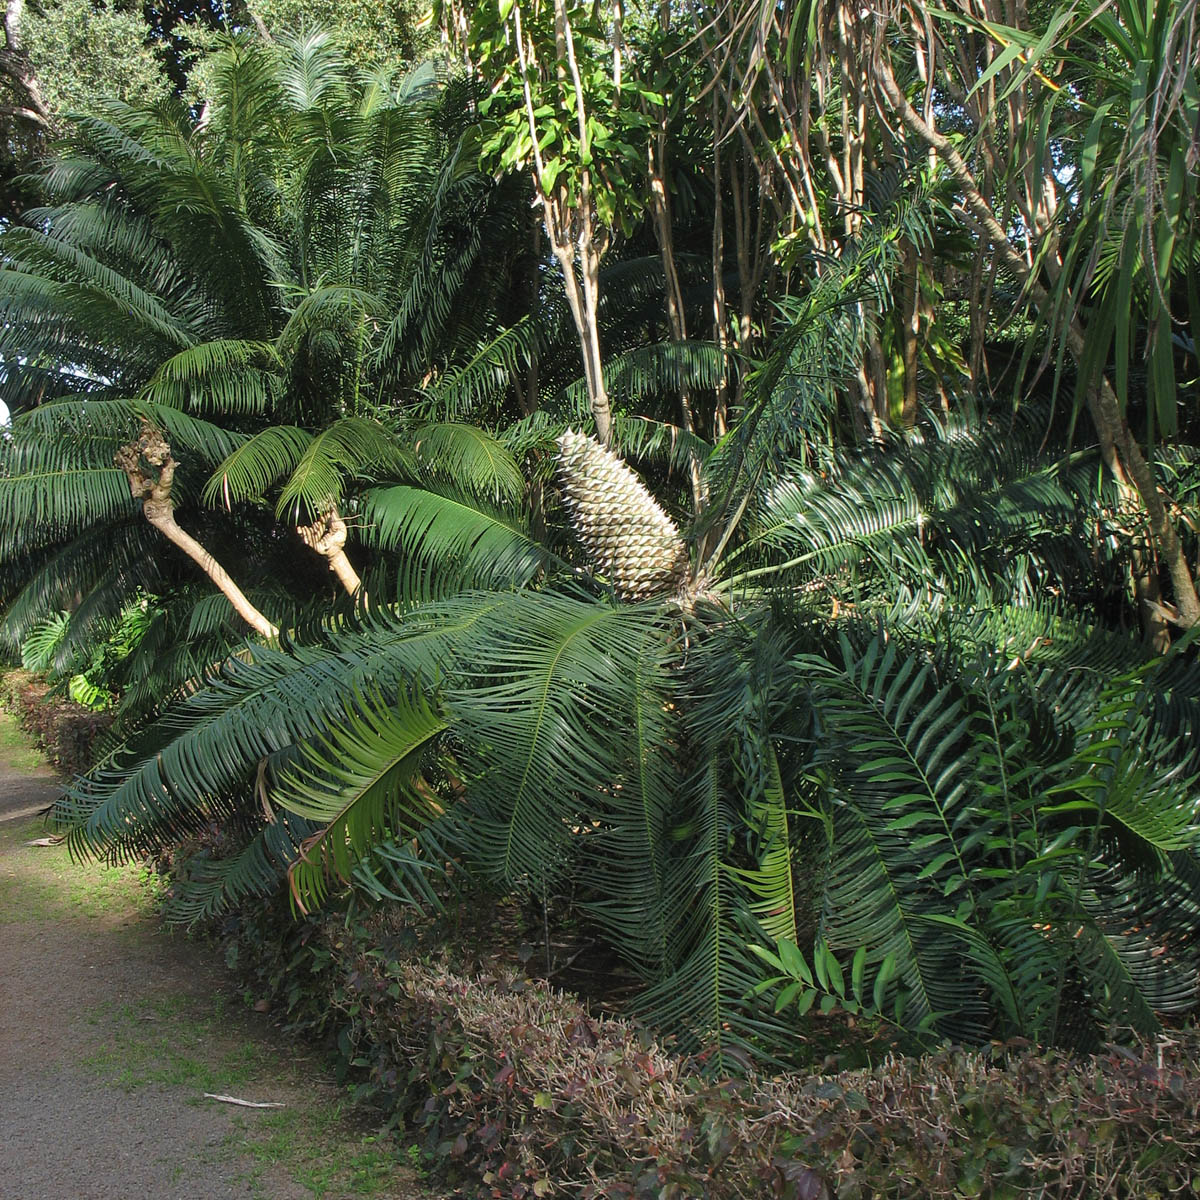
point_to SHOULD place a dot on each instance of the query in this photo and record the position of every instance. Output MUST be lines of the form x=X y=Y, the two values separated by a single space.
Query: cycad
x=498 y=712
x=628 y=538
x=226 y=284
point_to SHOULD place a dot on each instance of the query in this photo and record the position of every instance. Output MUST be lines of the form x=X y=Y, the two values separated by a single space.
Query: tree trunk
x=14 y=62
x=560 y=215
x=660 y=207
x=150 y=468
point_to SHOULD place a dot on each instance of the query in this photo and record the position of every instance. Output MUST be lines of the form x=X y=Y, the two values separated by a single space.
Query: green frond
x=898 y=777
x=225 y=376
x=662 y=369
x=486 y=376
x=312 y=69
x=771 y=882
x=358 y=781
x=59 y=578
x=212 y=886
x=643 y=439
x=706 y=996
x=41 y=643
x=628 y=861
x=541 y=707
x=350 y=448
x=470 y=459
x=332 y=307
x=48 y=493
x=92 y=429
x=448 y=541
x=259 y=463
x=205 y=750
x=84 y=285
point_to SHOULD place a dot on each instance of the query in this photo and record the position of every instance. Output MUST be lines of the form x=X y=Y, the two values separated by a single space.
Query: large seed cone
x=627 y=536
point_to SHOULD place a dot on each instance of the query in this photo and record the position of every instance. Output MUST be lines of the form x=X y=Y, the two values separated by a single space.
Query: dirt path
x=112 y=1030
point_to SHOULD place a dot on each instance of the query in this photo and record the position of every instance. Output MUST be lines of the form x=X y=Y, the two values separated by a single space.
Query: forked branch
x=150 y=468
x=326 y=536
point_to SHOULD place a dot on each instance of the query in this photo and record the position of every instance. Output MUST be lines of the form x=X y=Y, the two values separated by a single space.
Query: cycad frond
x=470 y=459
x=215 y=885
x=41 y=643
x=895 y=754
x=358 y=782
x=257 y=465
x=541 y=708
x=223 y=376
x=347 y=449
x=49 y=492
x=447 y=541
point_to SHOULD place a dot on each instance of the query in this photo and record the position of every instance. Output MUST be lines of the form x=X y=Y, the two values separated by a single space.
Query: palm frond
x=349 y=448
x=259 y=463
x=470 y=459
x=359 y=782
x=222 y=376
x=447 y=541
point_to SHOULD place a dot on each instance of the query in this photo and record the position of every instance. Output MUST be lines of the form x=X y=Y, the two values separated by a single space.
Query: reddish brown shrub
x=65 y=731
x=519 y=1091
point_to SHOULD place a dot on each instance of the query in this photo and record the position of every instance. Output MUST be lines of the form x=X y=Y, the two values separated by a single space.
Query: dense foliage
x=525 y=1089
x=869 y=691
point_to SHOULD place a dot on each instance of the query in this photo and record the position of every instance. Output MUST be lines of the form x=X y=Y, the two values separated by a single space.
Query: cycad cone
x=629 y=539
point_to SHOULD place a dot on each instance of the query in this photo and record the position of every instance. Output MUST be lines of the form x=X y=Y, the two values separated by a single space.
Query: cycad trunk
x=150 y=468
x=326 y=536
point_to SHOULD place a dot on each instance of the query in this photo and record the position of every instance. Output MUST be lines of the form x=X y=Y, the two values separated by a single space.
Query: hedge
x=517 y=1090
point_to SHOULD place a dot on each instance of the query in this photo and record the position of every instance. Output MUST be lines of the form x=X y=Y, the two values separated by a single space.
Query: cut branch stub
x=326 y=536
x=628 y=537
x=150 y=468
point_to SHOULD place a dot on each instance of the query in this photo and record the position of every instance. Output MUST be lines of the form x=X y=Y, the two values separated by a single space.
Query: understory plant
x=509 y=1086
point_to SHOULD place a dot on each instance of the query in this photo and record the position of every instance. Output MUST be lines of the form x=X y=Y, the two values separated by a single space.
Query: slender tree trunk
x=910 y=329
x=583 y=298
x=150 y=468
x=719 y=305
x=1119 y=447
x=583 y=292
x=14 y=63
x=660 y=206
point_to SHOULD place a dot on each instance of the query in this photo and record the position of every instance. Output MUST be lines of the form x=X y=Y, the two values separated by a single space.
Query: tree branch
x=326 y=536
x=150 y=468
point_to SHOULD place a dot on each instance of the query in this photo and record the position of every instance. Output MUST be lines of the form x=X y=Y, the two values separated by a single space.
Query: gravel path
x=112 y=1030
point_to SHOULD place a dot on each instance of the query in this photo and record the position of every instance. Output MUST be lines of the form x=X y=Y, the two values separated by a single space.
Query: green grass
x=198 y=1046
x=194 y=1044
x=318 y=1154
x=42 y=883
x=175 y=1042
x=16 y=750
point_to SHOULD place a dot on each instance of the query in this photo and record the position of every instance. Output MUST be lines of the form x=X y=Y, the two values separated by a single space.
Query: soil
x=112 y=1030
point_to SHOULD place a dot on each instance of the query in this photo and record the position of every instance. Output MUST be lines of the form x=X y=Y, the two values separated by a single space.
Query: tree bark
x=584 y=301
x=660 y=207
x=14 y=62
x=326 y=536
x=150 y=468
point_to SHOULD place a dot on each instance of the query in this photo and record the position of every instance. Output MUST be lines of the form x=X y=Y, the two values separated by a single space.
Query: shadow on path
x=112 y=1030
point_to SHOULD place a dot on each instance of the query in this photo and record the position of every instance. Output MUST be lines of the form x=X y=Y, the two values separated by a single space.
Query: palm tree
x=225 y=318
